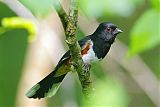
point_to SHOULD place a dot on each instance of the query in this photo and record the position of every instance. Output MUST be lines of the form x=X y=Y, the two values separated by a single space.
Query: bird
x=93 y=48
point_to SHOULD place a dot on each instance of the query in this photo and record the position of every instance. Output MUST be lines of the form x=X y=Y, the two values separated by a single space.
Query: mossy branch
x=70 y=25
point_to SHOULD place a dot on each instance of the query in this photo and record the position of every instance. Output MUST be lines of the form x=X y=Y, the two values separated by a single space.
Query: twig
x=61 y=13
x=21 y=10
x=70 y=25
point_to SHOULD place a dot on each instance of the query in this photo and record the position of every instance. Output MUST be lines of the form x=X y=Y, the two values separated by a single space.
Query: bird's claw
x=87 y=67
x=74 y=64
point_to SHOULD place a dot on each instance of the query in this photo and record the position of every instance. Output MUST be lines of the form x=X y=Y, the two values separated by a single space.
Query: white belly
x=90 y=56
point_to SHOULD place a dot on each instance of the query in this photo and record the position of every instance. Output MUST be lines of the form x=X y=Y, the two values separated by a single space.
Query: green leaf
x=145 y=33
x=155 y=4
x=17 y=23
x=97 y=8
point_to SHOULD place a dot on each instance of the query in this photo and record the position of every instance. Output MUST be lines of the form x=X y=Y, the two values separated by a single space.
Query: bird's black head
x=107 y=31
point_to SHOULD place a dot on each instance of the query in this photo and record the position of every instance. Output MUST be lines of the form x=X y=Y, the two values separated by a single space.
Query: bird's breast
x=89 y=55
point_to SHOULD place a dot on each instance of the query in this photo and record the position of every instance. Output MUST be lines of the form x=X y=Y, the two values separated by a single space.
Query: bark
x=69 y=23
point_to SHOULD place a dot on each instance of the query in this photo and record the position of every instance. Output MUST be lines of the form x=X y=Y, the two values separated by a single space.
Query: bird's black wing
x=67 y=55
x=83 y=41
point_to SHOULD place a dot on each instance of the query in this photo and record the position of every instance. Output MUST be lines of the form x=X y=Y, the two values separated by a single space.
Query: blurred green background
x=115 y=82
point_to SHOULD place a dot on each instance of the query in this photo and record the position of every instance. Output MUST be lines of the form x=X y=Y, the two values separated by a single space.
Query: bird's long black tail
x=46 y=87
x=50 y=84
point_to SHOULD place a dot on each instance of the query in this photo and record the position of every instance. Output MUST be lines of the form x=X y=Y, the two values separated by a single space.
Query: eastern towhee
x=93 y=48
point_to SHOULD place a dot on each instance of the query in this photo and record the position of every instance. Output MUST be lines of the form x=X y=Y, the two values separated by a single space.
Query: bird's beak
x=117 y=31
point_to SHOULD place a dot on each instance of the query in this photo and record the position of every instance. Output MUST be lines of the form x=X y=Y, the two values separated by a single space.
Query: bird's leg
x=74 y=64
x=87 y=67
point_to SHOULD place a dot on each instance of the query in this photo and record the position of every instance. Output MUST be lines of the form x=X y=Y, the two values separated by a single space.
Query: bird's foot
x=87 y=67
x=74 y=64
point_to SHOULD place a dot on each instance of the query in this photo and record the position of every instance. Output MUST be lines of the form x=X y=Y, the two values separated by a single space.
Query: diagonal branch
x=70 y=25
x=61 y=13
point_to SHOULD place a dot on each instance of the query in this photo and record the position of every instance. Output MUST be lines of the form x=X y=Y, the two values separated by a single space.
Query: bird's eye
x=108 y=29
